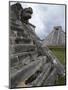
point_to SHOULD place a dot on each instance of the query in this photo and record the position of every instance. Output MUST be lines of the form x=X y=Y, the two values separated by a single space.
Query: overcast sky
x=45 y=17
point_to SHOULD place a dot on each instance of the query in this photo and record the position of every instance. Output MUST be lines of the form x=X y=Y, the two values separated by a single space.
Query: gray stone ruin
x=55 y=38
x=30 y=64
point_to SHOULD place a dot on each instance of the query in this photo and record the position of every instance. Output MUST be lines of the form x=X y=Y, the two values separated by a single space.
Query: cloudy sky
x=45 y=17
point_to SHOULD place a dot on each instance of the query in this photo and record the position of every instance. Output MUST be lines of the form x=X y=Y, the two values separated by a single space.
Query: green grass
x=60 y=54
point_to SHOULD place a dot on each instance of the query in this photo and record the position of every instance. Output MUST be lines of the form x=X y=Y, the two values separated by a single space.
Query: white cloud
x=48 y=16
x=45 y=17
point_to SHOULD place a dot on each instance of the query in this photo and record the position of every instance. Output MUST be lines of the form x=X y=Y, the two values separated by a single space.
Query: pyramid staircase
x=55 y=38
x=27 y=67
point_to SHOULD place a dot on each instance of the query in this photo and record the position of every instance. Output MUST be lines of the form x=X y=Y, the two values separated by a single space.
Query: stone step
x=15 y=22
x=17 y=58
x=16 y=28
x=39 y=80
x=20 y=40
x=20 y=33
x=50 y=80
x=33 y=75
x=21 y=61
x=23 y=41
x=19 y=37
x=22 y=54
x=19 y=48
x=24 y=45
x=24 y=73
x=25 y=60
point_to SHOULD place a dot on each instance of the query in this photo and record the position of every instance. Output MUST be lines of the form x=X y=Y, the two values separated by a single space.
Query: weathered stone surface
x=15 y=11
x=24 y=72
x=22 y=54
x=51 y=78
x=45 y=71
x=19 y=48
x=30 y=63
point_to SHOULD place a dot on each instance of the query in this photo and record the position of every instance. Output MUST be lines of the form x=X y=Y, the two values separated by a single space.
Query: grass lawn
x=60 y=54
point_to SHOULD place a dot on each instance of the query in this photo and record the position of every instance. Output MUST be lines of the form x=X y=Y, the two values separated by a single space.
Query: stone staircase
x=30 y=64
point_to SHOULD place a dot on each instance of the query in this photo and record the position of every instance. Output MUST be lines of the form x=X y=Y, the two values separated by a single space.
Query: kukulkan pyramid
x=55 y=38
x=30 y=64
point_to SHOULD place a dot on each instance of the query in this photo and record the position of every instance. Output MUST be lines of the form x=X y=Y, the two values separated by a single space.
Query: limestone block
x=40 y=78
x=24 y=73
x=19 y=48
x=50 y=80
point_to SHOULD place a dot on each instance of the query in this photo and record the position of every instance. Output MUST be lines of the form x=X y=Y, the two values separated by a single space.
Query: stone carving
x=26 y=14
x=30 y=63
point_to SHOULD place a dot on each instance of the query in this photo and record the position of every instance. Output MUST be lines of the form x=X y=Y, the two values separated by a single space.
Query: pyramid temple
x=30 y=65
x=55 y=38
